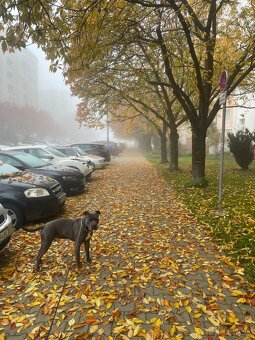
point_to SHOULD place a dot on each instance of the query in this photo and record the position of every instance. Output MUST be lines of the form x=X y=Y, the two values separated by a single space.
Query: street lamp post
x=222 y=100
x=107 y=130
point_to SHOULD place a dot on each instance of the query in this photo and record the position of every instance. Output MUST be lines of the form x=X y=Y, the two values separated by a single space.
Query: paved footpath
x=155 y=274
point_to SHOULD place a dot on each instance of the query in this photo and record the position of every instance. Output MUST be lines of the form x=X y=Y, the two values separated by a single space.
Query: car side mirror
x=48 y=157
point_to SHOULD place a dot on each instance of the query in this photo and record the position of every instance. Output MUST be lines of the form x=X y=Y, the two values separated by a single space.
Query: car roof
x=26 y=147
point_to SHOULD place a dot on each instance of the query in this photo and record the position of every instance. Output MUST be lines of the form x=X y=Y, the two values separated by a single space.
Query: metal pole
x=107 y=130
x=222 y=154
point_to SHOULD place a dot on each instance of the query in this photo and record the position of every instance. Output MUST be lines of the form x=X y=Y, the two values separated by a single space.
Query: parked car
x=6 y=228
x=53 y=156
x=27 y=196
x=113 y=146
x=95 y=149
x=71 y=180
x=97 y=161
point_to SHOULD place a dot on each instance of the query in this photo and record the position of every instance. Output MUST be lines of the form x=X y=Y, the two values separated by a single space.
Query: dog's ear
x=85 y=213
x=98 y=212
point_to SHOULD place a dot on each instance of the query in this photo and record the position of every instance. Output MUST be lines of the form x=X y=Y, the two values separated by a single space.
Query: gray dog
x=79 y=230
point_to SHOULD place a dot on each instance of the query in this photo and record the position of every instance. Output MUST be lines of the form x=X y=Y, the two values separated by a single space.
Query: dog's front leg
x=87 y=246
x=77 y=253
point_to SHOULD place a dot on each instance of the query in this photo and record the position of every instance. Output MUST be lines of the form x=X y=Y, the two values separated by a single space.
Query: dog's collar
x=84 y=227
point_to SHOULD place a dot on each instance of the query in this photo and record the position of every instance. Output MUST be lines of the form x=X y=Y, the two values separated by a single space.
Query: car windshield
x=31 y=160
x=7 y=169
x=78 y=150
x=55 y=152
x=68 y=151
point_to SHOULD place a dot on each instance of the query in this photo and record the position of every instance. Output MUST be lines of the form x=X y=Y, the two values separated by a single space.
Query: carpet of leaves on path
x=155 y=274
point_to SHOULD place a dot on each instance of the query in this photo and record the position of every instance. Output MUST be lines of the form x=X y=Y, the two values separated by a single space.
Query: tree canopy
x=131 y=50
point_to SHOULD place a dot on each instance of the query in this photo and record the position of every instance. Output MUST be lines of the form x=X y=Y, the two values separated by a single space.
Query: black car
x=71 y=180
x=28 y=196
x=95 y=149
x=112 y=146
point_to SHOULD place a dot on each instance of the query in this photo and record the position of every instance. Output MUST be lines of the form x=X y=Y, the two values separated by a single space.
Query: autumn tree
x=196 y=39
x=138 y=129
x=217 y=35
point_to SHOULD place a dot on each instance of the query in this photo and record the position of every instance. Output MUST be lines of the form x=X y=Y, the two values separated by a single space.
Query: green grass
x=234 y=229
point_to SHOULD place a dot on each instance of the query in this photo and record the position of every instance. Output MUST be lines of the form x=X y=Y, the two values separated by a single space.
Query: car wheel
x=15 y=214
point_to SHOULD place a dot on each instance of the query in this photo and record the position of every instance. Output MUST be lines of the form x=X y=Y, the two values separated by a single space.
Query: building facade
x=19 y=78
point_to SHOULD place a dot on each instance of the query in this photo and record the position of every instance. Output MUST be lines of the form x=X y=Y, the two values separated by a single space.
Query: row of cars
x=36 y=179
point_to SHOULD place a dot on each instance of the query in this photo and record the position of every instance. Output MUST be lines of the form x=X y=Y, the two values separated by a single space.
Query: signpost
x=222 y=101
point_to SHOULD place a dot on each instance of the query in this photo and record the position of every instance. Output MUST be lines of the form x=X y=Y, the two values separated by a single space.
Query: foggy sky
x=48 y=80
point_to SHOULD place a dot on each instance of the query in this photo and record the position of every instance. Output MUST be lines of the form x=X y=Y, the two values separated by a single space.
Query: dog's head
x=91 y=220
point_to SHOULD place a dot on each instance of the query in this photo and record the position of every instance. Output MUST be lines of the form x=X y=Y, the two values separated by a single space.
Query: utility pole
x=107 y=130
x=222 y=100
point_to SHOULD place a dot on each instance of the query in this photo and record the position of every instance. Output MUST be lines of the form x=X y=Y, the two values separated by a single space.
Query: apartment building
x=19 y=78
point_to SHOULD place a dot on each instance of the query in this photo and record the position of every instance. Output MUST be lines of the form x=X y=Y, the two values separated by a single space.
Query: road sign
x=223 y=81
x=222 y=98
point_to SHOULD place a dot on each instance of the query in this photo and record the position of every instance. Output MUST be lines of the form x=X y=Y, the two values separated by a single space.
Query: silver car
x=6 y=228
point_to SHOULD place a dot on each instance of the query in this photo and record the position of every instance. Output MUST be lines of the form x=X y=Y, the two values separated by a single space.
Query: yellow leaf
x=71 y=322
x=213 y=321
x=2 y=336
x=185 y=303
x=100 y=331
x=241 y=300
x=35 y=303
x=98 y=302
x=93 y=329
x=196 y=336
x=118 y=329
x=176 y=305
x=136 y=330
x=237 y=293
x=233 y=320
x=109 y=305
x=199 y=331
x=158 y=323
x=227 y=278
x=188 y=309
x=172 y=331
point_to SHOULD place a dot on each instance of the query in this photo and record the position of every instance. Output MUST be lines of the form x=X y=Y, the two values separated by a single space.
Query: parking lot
x=154 y=274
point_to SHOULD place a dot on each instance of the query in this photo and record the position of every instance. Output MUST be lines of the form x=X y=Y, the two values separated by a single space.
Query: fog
x=53 y=85
x=30 y=90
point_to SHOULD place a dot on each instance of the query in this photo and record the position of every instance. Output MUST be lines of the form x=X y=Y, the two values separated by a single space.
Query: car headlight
x=36 y=192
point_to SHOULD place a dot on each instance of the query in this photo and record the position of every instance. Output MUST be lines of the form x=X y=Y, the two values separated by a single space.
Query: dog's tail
x=30 y=230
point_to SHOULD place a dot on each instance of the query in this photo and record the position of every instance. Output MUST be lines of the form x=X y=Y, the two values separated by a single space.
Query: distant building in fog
x=19 y=78
x=57 y=102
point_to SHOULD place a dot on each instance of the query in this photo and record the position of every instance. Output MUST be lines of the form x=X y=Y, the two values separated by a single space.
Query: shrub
x=241 y=144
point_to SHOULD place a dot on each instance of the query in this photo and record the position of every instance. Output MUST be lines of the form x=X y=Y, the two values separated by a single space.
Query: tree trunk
x=198 y=157
x=163 y=148
x=174 y=152
x=145 y=143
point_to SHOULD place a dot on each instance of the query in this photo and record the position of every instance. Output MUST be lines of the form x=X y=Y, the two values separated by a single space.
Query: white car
x=6 y=228
x=53 y=156
x=97 y=161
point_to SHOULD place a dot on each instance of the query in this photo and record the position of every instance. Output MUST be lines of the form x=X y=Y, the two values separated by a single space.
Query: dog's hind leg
x=44 y=247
